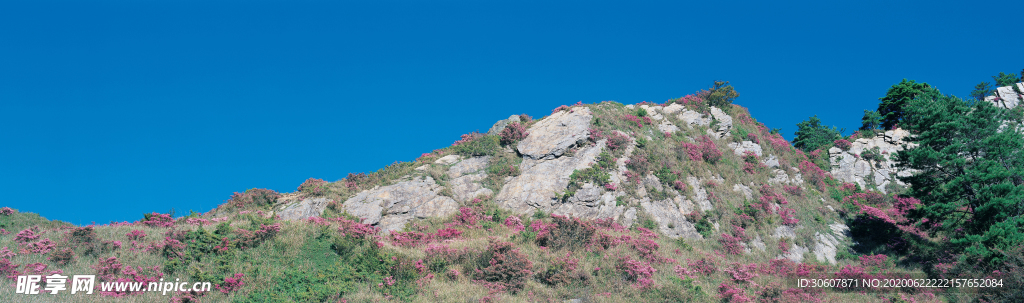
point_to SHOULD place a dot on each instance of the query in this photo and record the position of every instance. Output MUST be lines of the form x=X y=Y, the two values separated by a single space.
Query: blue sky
x=115 y=108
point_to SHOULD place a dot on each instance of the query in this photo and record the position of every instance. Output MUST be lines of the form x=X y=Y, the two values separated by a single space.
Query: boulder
x=500 y=125
x=540 y=180
x=391 y=207
x=740 y=148
x=724 y=124
x=308 y=207
x=692 y=118
x=551 y=137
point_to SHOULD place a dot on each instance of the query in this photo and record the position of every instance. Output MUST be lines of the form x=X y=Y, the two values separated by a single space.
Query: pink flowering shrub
x=793 y=190
x=617 y=140
x=26 y=236
x=752 y=137
x=779 y=143
x=438 y=257
x=6 y=253
x=611 y=186
x=732 y=294
x=250 y=239
x=560 y=108
x=8 y=269
x=705 y=150
x=6 y=211
x=197 y=221
x=639 y=121
x=254 y=196
x=742 y=272
x=679 y=185
x=570 y=233
x=232 y=283
x=158 y=220
x=467 y=217
x=878 y=261
x=136 y=235
x=415 y=238
x=503 y=268
x=564 y=271
x=788 y=216
x=813 y=174
x=313 y=187
x=63 y=256
x=514 y=223
x=512 y=133
x=843 y=144
x=641 y=273
x=731 y=244
x=42 y=247
x=466 y=138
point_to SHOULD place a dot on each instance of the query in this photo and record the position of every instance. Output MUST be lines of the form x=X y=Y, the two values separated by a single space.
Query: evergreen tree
x=970 y=174
x=811 y=135
x=871 y=120
x=982 y=90
x=1005 y=79
x=891 y=106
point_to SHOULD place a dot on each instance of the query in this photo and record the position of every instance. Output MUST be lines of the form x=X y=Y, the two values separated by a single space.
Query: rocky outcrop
x=308 y=207
x=699 y=193
x=746 y=191
x=500 y=125
x=879 y=170
x=692 y=118
x=670 y=218
x=723 y=124
x=1006 y=97
x=540 y=180
x=391 y=207
x=781 y=177
x=741 y=148
x=466 y=176
x=551 y=137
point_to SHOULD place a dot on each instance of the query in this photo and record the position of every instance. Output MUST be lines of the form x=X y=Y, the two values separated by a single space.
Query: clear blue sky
x=116 y=108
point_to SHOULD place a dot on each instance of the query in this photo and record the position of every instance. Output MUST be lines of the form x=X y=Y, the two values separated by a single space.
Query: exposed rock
x=667 y=127
x=552 y=136
x=448 y=160
x=780 y=177
x=468 y=166
x=652 y=182
x=672 y=109
x=308 y=207
x=758 y=244
x=1008 y=98
x=536 y=187
x=796 y=253
x=629 y=217
x=589 y=195
x=825 y=248
x=692 y=118
x=671 y=221
x=747 y=192
x=390 y=207
x=700 y=194
x=850 y=165
x=771 y=161
x=422 y=167
x=653 y=111
x=740 y=148
x=724 y=123
x=500 y=125
x=784 y=231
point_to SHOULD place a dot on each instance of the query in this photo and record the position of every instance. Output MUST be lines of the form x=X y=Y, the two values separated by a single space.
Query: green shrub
x=487 y=145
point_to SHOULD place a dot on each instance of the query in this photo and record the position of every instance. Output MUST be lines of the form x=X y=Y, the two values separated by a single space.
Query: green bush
x=487 y=145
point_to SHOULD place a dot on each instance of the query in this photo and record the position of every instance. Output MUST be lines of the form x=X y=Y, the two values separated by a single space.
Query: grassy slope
x=306 y=262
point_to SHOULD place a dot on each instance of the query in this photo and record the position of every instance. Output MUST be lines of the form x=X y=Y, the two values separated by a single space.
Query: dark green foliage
x=971 y=174
x=891 y=106
x=811 y=134
x=721 y=96
x=1005 y=79
x=871 y=120
x=982 y=90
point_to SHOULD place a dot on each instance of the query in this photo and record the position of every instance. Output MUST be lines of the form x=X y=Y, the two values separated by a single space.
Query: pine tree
x=970 y=174
x=871 y=120
x=811 y=134
x=891 y=106
x=1005 y=79
x=982 y=90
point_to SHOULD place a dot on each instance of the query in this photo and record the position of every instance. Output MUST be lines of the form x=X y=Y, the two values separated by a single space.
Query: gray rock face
x=672 y=109
x=740 y=148
x=850 y=166
x=540 y=180
x=671 y=220
x=667 y=127
x=724 y=123
x=391 y=207
x=825 y=248
x=308 y=207
x=448 y=160
x=780 y=177
x=747 y=192
x=1008 y=98
x=552 y=136
x=500 y=125
x=700 y=194
x=466 y=176
x=771 y=161
x=692 y=118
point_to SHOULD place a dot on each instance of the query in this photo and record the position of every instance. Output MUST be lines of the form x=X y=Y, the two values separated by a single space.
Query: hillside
x=689 y=200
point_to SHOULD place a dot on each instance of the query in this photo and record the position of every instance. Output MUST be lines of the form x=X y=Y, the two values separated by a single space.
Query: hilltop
x=687 y=200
